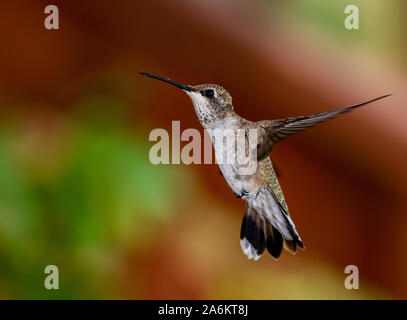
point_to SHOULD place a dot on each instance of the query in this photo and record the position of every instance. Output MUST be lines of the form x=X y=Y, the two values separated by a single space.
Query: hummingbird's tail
x=253 y=234
x=266 y=224
x=257 y=234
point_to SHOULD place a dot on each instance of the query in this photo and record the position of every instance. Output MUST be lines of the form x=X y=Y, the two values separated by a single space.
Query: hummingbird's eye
x=210 y=93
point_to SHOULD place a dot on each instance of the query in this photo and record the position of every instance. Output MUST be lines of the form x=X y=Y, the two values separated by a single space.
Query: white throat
x=202 y=107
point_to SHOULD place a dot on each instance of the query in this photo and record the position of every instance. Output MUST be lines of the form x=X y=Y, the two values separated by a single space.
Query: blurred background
x=77 y=189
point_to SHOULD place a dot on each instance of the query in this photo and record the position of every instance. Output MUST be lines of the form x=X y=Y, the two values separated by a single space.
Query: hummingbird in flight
x=267 y=223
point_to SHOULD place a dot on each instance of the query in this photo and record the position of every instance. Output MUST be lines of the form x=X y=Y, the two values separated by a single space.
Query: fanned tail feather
x=252 y=234
x=267 y=224
x=274 y=241
x=257 y=234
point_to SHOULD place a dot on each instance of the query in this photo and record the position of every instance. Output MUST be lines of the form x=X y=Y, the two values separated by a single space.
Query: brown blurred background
x=77 y=189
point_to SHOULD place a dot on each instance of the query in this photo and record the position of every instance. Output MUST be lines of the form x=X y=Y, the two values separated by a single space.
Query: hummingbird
x=267 y=223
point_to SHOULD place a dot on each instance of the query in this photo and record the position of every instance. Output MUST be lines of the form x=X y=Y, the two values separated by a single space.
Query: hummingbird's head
x=211 y=102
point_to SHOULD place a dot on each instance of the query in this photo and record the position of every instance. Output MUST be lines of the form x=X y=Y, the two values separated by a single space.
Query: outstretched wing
x=273 y=131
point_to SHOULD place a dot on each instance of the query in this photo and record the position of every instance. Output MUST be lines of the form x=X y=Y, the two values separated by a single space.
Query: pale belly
x=236 y=175
x=231 y=144
x=236 y=182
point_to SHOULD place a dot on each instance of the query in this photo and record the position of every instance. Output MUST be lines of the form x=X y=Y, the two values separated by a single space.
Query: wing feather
x=274 y=131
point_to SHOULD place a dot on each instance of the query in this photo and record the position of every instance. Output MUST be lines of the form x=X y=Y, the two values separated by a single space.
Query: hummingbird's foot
x=244 y=193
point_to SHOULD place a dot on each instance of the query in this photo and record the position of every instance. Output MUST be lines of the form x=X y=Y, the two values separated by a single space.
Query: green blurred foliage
x=377 y=33
x=79 y=209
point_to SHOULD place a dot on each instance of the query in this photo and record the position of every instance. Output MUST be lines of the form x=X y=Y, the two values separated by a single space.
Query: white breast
x=225 y=156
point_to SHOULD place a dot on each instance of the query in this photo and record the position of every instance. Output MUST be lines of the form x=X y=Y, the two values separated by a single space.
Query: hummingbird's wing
x=278 y=196
x=273 y=131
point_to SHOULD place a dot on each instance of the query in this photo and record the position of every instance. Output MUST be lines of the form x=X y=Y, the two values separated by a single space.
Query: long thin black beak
x=177 y=84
